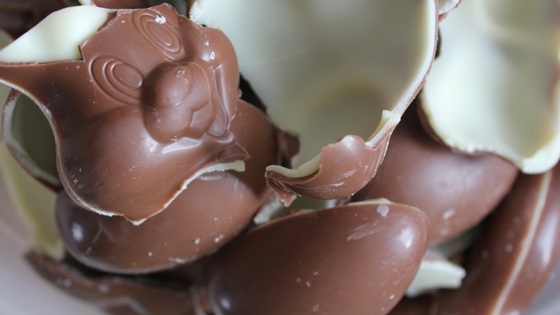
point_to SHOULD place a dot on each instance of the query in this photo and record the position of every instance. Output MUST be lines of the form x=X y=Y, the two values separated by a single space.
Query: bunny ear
x=58 y=36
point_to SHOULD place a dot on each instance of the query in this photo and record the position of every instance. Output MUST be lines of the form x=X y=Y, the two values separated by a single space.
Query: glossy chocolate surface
x=455 y=190
x=417 y=306
x=120 y=4
x=346 y=167
x=114 y=294
x=516 y=254
x=137 y=119
x=215 y=208
x=355 y=259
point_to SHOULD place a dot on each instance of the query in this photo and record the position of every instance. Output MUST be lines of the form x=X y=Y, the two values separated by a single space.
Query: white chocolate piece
x=494 y=87
x=326 y=69
x=444 y=6
x=435 y=273
x=57 y=37
x=34 y=203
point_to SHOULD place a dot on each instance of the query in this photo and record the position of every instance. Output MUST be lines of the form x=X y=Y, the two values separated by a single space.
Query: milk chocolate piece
x=120 y=4
x=417 y=306
x=516 y=255
x=146 y=111
x=180 y=5
x=215 y=208
x=115 y=294
x=455 y=190
x=346 y=167
x=354 y=259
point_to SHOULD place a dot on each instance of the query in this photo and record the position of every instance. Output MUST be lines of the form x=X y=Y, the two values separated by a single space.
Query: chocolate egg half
x=215 y=208
x=516 y=255
x=455 y=190
x=339 y=74
x=355 y=259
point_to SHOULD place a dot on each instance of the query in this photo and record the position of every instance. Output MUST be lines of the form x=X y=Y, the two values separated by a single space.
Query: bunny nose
x=168 y=85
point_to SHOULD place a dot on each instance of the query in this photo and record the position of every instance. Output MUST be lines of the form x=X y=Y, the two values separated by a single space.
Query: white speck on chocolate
x=383 y=210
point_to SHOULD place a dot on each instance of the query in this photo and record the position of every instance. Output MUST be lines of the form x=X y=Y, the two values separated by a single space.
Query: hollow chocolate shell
x=115 y=294
x=444 y=6
x=455 y=190
x=417 y=306
x=515 y=256
x=216 y=207
x=145 y=112
x=354 y=259
x=494 y=87
x=180 y=5
x=339 y=74
x=117 y=4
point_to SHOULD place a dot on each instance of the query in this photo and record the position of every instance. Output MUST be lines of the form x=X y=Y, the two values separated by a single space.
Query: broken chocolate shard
x=515 y=255
x=122 y=147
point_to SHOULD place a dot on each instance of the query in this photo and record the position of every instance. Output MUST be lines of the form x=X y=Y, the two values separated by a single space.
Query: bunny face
x=146 y=110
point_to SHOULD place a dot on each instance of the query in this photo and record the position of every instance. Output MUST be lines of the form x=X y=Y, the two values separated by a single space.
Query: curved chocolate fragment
x=180 y=5
x=455 y=190
x=494 y=88
x=435 y=272
x=444 y=6
x=123 y=148
x=216 y=207
x=416 y=306
x=515 y=255
x=346 y=166
x=326 y=70
x=34 y=145
x=33 y=202
x=117 y=4
x=115 y=294
x=354 y=259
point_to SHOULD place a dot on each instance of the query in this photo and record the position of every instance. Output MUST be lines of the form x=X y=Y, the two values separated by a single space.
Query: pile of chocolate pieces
x=287 y=157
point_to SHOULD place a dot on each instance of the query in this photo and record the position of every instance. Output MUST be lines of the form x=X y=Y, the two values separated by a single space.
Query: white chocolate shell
x=32 y=201
x=494 y=86
x=326 y=70
x=57 y=37
x=444 y=6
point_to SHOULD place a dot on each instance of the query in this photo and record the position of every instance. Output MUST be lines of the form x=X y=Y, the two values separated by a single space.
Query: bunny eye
x=117 y=79
x=160 y=33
